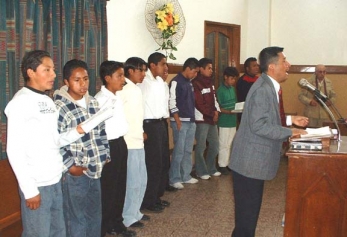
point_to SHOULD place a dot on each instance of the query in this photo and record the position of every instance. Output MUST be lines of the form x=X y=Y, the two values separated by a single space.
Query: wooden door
x=222 y=45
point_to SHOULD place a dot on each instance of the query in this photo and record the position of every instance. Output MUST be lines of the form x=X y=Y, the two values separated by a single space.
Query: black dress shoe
x=224 y=170
x=124 y=233
x=145 y=218
x=169 y=188
x=155 y=208
x=164 y=203
x=137 y=224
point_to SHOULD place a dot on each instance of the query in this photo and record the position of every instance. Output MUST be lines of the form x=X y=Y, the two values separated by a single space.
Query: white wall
x=128 y=35
x=311 y=32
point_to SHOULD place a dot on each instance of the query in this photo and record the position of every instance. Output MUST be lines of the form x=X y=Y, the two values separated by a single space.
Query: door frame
x=233 y=32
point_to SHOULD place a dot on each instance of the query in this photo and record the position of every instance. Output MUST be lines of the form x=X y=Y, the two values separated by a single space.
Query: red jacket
x=205 y=99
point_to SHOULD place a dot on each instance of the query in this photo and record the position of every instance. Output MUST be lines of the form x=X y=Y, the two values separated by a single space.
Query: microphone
x=304 y=83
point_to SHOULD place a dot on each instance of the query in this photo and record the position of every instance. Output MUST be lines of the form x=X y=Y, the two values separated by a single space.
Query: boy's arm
x=173 y=104
x=63 y=128
x=16 y=136
x=104 y=140
x=199 y=101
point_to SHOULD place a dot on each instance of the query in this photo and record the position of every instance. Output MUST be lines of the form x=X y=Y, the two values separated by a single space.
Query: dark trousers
x=113 y=187
x=157 y=161
x=248 y=195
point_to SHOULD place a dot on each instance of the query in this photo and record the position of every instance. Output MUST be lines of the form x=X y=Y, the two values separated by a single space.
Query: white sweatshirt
x=33 y=140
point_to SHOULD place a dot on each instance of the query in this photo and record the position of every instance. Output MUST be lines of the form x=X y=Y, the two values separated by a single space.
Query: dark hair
x=32 y=60
x=268 y=56
x=231 y=72
x=133 y=63
x=72 y=65
x=107 y=68
x=155 y=58
x=204 y=62
x=192 y=63
x=248 y=61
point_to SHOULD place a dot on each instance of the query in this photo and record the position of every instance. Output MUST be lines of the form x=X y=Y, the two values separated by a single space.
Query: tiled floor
x=207 y=209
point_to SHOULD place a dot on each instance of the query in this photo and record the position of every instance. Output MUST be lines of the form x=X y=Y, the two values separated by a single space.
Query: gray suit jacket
x=258 y=141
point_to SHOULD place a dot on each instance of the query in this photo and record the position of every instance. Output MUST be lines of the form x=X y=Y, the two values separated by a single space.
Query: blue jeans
x=135 y=187
x=82 y=206
x=181 y=163
x=48 y=219
x=206 y=132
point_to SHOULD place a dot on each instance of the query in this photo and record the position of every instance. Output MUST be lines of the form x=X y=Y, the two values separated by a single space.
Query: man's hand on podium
x=300 y=121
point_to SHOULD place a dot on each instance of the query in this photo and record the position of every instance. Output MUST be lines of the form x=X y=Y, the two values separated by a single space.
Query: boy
x=182 y=109
x=135 y=70
x=114 y=175
x=37 y=162
x=156 y=146
x=206 y=117
x=226 y=97
x=83 y=159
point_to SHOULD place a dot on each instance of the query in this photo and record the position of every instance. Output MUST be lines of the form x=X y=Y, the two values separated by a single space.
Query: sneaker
x=224 y=170
x=177 y=185
x=206 y=176
x=217 y=173
x=191 y=181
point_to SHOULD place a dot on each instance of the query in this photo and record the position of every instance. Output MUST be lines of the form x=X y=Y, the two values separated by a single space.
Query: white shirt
x=277 y=89
x=133 y=108
x=156 y=104
x=116 y=126
x=33 y=141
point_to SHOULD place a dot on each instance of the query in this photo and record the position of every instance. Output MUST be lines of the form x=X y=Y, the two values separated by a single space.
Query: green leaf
x=171 y=56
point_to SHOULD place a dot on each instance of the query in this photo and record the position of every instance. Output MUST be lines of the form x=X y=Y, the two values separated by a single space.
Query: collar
x=35 y=90
x=149 y=75
x=275 y=83
x=106 y=91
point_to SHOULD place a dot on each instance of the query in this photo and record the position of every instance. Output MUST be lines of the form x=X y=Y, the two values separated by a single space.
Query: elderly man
x=313 y=109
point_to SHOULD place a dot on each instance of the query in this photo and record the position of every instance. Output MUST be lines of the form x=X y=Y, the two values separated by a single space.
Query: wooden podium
x=316 y=202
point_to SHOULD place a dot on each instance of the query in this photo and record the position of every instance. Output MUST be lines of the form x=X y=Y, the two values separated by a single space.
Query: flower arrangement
x=167 y=23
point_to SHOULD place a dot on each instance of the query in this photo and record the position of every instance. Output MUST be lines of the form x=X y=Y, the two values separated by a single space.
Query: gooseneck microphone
x=304 y=83
x=322 y=99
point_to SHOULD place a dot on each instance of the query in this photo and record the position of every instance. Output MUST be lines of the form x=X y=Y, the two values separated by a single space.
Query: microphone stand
x=341 y=119
x=320 y=99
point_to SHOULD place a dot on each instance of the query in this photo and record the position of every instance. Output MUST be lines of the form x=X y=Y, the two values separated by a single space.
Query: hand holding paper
x=105 y=112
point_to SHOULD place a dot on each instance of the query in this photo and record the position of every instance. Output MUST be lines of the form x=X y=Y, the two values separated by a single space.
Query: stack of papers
x=312 y=140
x=315 y=133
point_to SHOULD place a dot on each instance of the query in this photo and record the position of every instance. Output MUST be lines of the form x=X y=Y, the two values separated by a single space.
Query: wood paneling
x=316 y=203
x=302 y=69
x=10 y=218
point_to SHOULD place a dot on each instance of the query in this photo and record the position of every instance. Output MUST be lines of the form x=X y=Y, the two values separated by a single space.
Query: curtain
x=67 y=29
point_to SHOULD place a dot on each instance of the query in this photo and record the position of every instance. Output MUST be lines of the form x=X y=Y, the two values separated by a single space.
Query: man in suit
x=257 y=145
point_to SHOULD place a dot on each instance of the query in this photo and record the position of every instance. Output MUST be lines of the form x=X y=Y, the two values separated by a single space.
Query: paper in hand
x=105 y=112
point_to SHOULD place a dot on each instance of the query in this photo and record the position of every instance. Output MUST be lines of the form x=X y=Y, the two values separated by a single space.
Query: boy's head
x=157 y=64
x=230 y=75
x=135 y=69
x=75 y=76
x=38 y=70
x=190 y=68
x=251 y=66
x=112 y=75
x=205 y=65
